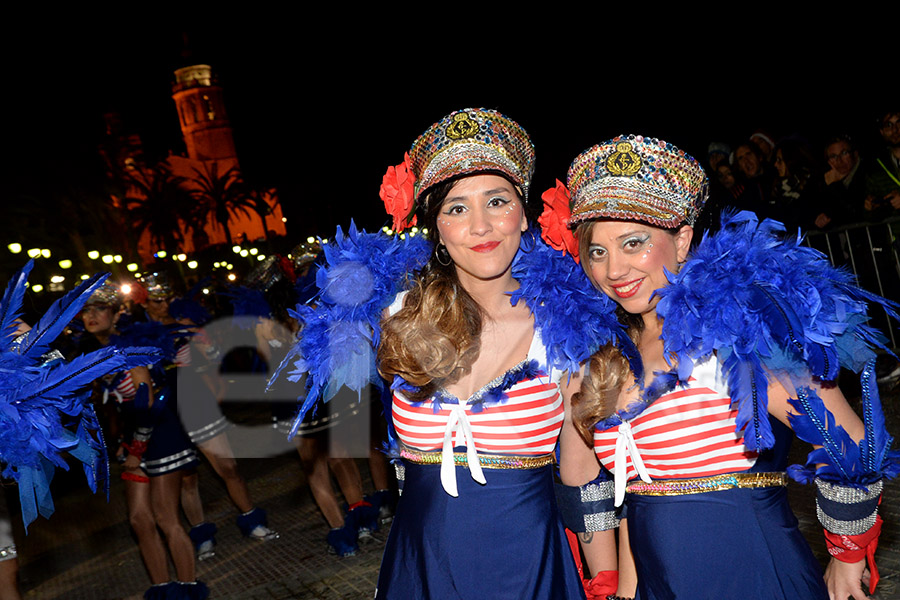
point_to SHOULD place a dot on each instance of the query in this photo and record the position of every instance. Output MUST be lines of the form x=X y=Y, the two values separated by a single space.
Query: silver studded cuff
x=845 y=510
x=588 y=507
x=601 y=521
x=142 y=434
x=400 y=471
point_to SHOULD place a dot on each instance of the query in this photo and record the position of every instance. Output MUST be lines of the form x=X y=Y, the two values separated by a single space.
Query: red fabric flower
x=398 y=193
x=554 y=219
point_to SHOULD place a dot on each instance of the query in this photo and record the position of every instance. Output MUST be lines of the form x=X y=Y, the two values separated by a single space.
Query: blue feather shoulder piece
x=574 y=319
x=341 y=324
x=766 y=304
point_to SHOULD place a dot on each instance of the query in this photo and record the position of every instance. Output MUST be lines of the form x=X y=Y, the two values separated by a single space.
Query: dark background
x=320 y=109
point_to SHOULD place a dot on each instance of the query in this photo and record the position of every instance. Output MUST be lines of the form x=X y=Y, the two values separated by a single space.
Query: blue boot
x=385 y=501
x=342 y=540
x=204 y=538
x=254 y=525
x=365 y=517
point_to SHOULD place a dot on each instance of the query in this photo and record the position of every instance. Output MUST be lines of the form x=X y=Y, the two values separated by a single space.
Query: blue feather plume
x=11 y=305
x=60 y=313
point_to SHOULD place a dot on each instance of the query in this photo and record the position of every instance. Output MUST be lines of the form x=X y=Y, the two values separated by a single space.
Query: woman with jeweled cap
x=741 y=341
x=473 y=326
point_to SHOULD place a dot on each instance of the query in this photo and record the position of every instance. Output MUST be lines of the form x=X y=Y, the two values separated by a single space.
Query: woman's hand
x=132 y=463
x=845 y=580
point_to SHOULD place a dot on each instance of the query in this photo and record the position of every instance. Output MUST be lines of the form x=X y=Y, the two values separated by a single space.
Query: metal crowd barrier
x=870 y=252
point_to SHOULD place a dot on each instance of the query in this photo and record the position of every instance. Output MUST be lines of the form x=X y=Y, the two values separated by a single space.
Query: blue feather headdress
x=44 y=408
x=768 y=306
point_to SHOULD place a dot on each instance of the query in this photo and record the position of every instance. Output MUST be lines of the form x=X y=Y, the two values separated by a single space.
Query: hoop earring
x=440 y=251
x=527 y=246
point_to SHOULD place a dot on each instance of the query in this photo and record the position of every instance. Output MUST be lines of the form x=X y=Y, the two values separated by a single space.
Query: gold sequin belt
x=488 y=461
x=699 y=485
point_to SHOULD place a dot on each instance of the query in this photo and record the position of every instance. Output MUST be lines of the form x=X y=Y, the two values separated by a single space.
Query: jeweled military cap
x=107 y=295
x=470 y=141
x=637 y=178
x=157 y=285
x=304 y=253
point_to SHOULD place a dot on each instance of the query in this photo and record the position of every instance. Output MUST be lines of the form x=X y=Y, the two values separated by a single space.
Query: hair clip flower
x=398 y=193
x=554 y=220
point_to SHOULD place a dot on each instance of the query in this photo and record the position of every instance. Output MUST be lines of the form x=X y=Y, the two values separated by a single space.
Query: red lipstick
x=485 y=247
x=627 y=290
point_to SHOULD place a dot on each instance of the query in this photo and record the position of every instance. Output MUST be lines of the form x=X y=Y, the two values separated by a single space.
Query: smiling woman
x=470 y=374
x=733 y=355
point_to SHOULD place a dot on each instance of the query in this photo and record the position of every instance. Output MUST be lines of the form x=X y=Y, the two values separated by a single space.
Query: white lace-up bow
x=625 y=445
x=459 y=421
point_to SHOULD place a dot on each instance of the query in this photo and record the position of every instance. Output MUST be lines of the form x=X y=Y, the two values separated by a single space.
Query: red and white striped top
x=125 y=390
x=528 y=423
x=685 y=433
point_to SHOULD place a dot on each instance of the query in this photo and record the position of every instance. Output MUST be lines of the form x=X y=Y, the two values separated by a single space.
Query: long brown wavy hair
x=436 y=337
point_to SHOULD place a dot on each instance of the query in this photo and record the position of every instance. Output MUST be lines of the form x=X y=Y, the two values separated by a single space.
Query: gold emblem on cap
x=624 y=161
x=461 y=127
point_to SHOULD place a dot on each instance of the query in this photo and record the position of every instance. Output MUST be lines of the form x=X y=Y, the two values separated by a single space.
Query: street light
x=15 y=247
x=117 y=258
x=192 y=264
x=107 y=259
x=37 y=287
x=132 y=267
x=236 y=249
x=45 y=252
x=65 y=264
x=93 y=254
x=34 y=252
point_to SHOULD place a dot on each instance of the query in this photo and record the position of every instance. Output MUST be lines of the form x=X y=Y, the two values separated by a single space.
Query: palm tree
x=159 y=202
x=223 y=195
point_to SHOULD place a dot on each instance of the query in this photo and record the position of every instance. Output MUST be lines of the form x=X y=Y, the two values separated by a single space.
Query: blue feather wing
x=59 y=315
x=11 y=305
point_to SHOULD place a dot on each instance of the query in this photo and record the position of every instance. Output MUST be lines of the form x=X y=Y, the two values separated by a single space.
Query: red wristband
x=853 y=548
x=136 y=448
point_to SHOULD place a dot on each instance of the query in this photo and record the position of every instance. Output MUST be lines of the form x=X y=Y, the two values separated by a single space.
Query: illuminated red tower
x=201 y=111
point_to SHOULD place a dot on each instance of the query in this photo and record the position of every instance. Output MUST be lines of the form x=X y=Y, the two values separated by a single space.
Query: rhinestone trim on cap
x=637 y=178
x=468 y=141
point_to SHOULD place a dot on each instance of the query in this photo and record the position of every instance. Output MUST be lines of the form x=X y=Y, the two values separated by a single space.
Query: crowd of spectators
x=813 y=186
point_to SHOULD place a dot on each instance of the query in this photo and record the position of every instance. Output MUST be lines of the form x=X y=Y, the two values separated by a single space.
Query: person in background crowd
x=883 y=180
x=717 y=154
x=757 y=179
x=844 y=181
x=797 y=192
x=764 y=142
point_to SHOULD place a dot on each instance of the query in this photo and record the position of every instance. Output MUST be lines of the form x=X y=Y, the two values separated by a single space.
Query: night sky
x=320 y=114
